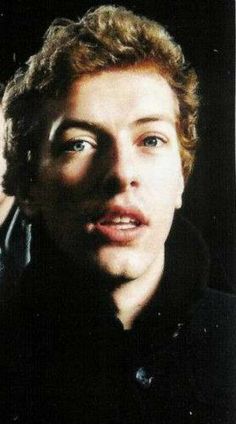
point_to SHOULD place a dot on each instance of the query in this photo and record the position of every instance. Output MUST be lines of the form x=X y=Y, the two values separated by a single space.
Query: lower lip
x=114 y=234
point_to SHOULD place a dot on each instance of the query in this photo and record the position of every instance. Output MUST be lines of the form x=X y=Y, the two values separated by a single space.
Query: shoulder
x=216 y=310
x=216 y=304
x=212 y=345
x=212 y=330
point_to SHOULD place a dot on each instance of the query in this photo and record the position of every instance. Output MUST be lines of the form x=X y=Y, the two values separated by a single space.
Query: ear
x=180 y=190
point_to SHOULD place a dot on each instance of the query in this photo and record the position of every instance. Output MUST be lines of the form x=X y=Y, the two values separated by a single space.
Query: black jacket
x=66 y=359
x=15 y=239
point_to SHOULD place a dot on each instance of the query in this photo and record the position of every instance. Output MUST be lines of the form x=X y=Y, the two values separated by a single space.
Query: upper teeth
x=122 y=220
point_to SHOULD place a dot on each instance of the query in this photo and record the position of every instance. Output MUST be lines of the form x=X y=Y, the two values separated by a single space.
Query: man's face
x=110 y=174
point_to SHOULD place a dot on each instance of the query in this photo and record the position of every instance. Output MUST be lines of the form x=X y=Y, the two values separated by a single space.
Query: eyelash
x=69 y=146
x=156 y=139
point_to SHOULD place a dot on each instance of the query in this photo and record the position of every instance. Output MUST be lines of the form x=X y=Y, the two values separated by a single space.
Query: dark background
x=205 y=30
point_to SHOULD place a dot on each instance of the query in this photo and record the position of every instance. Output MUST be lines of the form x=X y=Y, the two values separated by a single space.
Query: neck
x=5 y=205
x=130 y=298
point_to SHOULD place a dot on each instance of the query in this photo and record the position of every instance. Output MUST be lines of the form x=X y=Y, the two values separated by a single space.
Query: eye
x=153 y=141
x=77 y=146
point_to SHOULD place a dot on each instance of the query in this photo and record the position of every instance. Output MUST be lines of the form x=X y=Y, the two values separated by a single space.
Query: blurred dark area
x=205 y=30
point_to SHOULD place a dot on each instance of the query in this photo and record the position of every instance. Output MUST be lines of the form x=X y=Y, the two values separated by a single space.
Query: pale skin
x=119 y=153
x=5 y=201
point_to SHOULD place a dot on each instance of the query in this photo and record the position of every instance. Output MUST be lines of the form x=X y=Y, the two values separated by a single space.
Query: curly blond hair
x=106 y=37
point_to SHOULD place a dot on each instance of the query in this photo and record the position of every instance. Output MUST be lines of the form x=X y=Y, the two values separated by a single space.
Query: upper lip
x=108 y=213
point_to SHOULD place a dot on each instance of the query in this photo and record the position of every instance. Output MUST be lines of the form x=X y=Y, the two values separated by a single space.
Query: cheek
x=63 y=177
x=61 y=190
x=164 y=180
x=75 y=172
x=72 y=172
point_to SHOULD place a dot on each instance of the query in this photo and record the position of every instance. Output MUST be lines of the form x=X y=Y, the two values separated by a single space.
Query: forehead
x=120 y=95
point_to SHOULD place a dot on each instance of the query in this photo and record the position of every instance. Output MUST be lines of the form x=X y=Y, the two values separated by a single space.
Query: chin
x=120 y=265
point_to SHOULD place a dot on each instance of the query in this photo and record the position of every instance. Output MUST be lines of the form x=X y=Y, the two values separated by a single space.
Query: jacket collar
x=183 y=283
x=185 y=277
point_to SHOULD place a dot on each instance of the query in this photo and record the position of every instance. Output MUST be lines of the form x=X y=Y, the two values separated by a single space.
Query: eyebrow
x=77 y=123
x=155 y=118
x=99 y=129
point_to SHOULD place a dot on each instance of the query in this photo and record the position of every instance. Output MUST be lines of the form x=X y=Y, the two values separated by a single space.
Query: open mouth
x=118 y=225
x=121 y=222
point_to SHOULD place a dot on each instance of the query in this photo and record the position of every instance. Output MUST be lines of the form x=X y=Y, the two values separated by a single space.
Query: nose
x=121 y=169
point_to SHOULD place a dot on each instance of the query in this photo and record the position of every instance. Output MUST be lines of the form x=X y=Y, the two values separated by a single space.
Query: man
x=14 y=230
x=113 y=322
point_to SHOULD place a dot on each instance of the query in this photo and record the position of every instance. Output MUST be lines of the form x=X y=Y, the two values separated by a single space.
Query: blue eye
x=77 y=146
x=153 y=141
